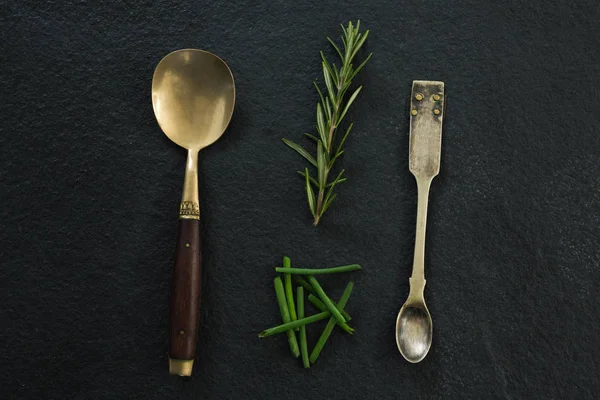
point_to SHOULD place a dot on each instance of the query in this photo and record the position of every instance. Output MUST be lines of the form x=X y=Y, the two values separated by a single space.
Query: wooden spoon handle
x=185 y=298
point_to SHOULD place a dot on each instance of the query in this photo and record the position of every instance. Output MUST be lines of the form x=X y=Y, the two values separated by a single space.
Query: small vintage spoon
x=193 y=95
x=414 y=328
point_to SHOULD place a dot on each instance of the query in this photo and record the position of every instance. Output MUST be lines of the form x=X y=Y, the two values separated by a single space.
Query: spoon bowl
x=414 y=331
x=193 y=95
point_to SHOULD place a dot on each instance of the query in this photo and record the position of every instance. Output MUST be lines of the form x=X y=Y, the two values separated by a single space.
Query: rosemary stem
x=319 y=271
x=332 y=127
x=318 y=210
x=285 y=315
x=331 y=134
x=303 y=343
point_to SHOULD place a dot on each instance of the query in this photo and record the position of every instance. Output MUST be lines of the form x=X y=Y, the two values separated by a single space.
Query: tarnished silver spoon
x=414 y=328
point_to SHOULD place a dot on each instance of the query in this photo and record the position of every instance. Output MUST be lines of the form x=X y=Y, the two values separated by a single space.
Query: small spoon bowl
x=414 y=331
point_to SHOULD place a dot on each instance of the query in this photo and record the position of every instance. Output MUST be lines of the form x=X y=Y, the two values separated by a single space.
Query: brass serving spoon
x=414 y=328
x=193 y=95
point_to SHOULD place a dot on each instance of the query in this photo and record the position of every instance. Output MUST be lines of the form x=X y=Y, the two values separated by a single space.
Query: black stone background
x=90 y=189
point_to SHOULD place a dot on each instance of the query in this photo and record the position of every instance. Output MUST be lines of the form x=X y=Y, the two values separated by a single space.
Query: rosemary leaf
x=348 y=48
x=330 y=191
x=300 y=151
x=350 y=101
x=336 y=182
x=345 y=34
x=312 y=180
x=330 y=70
x=308 y=135
x=328 y=81
x=321 y=125
x=320 y=93
x=359 y=44
x=336 y=156
x=344 y=138
x=328 y=201
x=337 y=49
x=321 y=165
x=336 y=74
x=309 y=192
x=357 y=70
x=328 y=109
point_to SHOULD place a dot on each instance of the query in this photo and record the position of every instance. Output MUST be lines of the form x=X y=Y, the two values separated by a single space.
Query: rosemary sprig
x=331 y=110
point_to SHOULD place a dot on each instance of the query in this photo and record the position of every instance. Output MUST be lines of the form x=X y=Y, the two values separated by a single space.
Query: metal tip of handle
x=180 y=367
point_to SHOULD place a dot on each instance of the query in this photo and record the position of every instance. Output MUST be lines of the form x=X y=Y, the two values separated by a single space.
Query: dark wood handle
x=185 y=292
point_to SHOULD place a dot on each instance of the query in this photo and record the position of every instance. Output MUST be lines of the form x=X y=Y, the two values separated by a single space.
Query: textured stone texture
x=90 y=189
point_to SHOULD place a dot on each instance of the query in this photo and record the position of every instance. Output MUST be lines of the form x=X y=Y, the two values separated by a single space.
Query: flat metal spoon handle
x=417 y=279
x=425 y=147
x=185 y=284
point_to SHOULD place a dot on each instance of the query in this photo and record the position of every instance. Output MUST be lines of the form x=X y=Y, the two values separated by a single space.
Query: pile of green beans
x=293 y=312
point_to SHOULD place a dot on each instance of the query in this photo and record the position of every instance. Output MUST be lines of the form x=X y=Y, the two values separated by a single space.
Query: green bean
x=328 y=303
x=312 y=297
x=321 y=271
x=295 y=324
x=285 y=315
x=330 y=325
x=303 y=344
x=302 y=282
x=319 y=304
x=289 y=291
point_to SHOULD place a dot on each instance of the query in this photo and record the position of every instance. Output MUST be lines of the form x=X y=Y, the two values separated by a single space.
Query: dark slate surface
x=90 y=189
